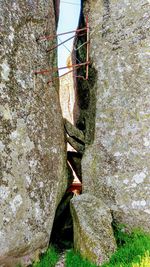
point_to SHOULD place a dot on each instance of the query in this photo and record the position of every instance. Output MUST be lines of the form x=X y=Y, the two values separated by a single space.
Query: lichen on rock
x=93 y=234
x=116 y=167
x=32 y=145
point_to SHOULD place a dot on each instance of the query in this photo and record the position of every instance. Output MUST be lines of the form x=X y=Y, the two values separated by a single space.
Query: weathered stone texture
x=93 y=235
x=116 y=168
x=32 y=144
x=68 y=94
x=67 y=97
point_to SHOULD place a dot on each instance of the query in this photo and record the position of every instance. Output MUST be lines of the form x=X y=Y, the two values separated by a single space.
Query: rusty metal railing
x=78 y=32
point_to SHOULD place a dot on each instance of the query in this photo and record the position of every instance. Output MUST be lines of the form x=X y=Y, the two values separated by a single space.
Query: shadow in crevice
x=62 y=231
x=74 y=159
x=86 y=89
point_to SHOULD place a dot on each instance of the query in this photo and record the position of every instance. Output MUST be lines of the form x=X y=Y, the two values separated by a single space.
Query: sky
x=68 y=21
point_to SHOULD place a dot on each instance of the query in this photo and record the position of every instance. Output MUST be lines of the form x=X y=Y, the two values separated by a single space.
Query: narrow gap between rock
x=62 y=232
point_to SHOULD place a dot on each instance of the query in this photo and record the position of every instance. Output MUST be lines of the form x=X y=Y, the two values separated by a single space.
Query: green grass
x=75 y=260
x=144 y=261
x=48 y=259
x=131 y=248
x=133 y=251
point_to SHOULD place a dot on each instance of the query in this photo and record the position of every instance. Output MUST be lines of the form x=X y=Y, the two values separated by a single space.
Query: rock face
x=93 y=235
x=68 y=94
x=32 y=145
x=67 y=97
x=116 y=167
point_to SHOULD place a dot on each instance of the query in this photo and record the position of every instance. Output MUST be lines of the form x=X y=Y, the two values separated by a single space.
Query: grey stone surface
x=93 y=235
x=67 y=94
x=74 y=132
x=116 y=167
x=33 y=162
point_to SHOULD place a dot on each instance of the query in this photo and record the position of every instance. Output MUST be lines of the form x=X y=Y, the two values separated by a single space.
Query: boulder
x=116 y=166
x=93 y=234
x=32 y=145
x=74 y=132
x=74 y=136
x=67 y=94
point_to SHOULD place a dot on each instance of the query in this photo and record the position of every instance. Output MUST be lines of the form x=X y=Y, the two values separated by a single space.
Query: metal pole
x=87 y=52
x=60 y=76
x=54 y=47
x=61 y=68
x=59 y=34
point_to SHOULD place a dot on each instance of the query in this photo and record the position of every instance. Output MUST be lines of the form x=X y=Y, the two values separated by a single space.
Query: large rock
x=93 y=235
x=68 y=92
x=32 y=145
x=116 y=167
x=67 y=97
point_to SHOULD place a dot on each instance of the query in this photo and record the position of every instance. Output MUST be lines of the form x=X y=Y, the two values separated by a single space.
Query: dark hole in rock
x=74 y=159
x=62 y=231
x=81 y=124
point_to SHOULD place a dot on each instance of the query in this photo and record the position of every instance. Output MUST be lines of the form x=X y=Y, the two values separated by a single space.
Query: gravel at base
x=61 y=262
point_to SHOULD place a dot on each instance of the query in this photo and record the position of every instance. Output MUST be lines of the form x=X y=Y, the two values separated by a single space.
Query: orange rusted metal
x=75 y=67
x=51 y=37
x=78 y=32
x=61 y=68
x=54 y=47
x=87 y=52
x=75 y=186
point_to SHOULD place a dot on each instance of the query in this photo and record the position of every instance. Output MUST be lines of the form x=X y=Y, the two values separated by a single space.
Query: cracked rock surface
x=116 y=167
x=32 y=146
x=93 y=234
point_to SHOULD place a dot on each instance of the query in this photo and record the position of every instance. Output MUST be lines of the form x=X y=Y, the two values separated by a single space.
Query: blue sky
x=68 y=20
